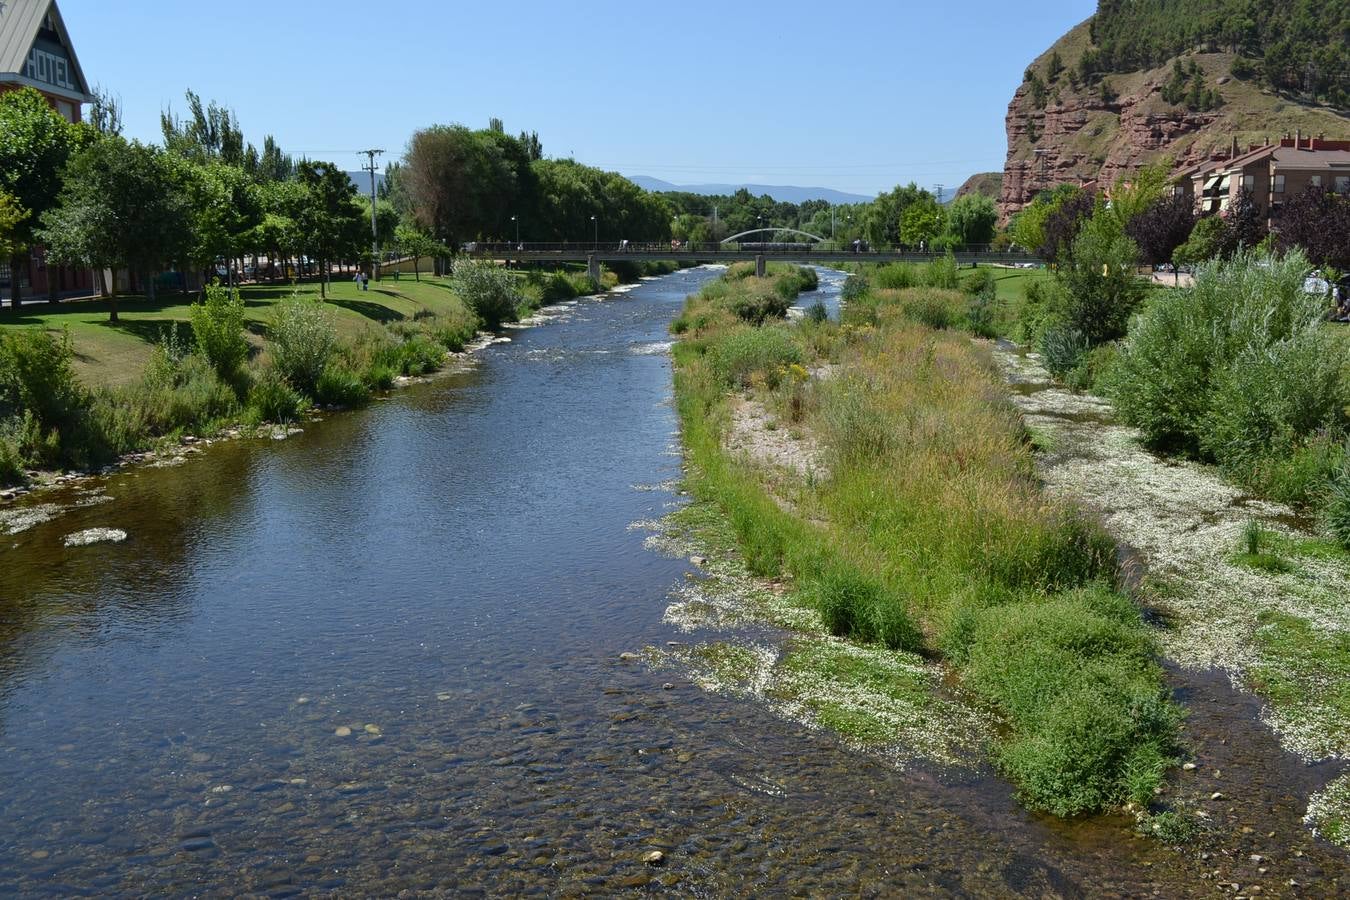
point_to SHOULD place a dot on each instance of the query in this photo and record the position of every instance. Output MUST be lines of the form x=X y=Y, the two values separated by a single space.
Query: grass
x=961 y=556
x=1303 y=667
x=116 y=354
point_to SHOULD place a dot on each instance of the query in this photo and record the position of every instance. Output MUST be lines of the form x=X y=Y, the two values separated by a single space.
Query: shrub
x=304 y=342
x=855 y=286
x=897 y=276
x=40 y=375
x=218 y=326
x=1062 y=349
x=489 y=290
x=1237 y=367
x=757 y=307
x=414 y=356
x=1336 y=508
x=937 y=309
x=943 y=273
x=982 y=310
x=744 y=351
x=272 y=399
x=1095 y=370
x=340 y=386
x=11 y=453
x=1101 y=287
x=817 y=313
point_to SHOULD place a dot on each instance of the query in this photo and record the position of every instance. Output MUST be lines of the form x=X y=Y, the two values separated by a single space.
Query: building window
x=1343 y=184
x=67 y=110
x=1279 y=184
x=1316 y=181
x=1249 y=182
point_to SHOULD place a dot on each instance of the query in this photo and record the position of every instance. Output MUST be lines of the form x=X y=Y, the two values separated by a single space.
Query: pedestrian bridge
x=760 y=252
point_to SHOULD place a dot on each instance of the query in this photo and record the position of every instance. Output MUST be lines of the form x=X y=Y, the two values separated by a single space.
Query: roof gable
x=24 y=39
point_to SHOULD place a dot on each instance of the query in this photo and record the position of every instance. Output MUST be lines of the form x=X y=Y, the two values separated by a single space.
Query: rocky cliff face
x=1080 y=132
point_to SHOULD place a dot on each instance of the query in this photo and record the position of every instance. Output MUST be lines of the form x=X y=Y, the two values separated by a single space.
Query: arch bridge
x=820 y=251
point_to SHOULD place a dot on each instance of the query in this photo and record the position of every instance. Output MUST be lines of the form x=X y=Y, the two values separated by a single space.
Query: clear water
x=451 y=575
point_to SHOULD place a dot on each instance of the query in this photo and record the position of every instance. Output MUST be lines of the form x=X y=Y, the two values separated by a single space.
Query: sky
x=857 y=96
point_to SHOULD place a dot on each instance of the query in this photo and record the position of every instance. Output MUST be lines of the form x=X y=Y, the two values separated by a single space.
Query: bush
x=817 y=313
x=1062 y=349
x=982 y=310
x=415 y=356
x=1336 y=508
x=943 y=273
x=489 y=290
x=272 y=399
x=855 y=286
x=1237 y=367
x=218 y=326
x=897 y=276
x=1095 y=370
x=1101 y=287
x=937 y=309
x=340 y=386
x=1076 y=677
x=742 y=352
x=37 y=374
x=11 y=453
x=304 y=342
x=757 y=307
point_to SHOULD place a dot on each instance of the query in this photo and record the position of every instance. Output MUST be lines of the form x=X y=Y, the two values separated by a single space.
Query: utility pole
x=714 y=231
x=938 y=189
x=374 y=228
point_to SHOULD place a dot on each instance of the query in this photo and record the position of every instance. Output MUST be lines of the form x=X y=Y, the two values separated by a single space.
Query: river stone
x=372 y=729
x=93 y=536
x=343 y=731
x=655 y=858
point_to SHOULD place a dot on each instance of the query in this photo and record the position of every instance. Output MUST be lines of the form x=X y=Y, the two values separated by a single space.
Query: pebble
x=1189 y=767
x=222 y=789
x=628 y=656
x=443 y=696
x=301 y=701
x=372 y=729
x=343 y=731
x=655 y=858
x=1217 y=795
x=698 y=560
x=667 y=686
x=40 y=854
x=313 y=858
x=201 y=757
x=1257 y=858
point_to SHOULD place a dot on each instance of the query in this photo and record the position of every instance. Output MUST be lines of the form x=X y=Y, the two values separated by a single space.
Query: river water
x=385 y=655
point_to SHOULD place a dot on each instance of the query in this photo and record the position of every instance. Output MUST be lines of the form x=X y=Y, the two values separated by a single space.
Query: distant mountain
x=783 y=193
x=989 y=184
x=362 y=182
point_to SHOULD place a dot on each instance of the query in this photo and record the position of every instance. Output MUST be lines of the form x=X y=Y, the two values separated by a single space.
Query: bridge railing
x=639 y=248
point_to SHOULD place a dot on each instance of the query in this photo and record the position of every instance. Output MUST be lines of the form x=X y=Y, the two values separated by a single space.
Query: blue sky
x=857 y=96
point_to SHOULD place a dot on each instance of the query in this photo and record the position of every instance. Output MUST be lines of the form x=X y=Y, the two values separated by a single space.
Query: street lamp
x=517 y=221
x=596 y=224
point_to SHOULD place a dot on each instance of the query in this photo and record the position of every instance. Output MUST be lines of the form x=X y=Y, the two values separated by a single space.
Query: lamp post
x=596 y=224
x=517 y=221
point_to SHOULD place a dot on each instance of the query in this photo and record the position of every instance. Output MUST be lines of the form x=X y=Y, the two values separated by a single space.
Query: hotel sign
x=50 y=68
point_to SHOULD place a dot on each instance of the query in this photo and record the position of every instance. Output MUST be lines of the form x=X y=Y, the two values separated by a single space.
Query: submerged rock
x=96 y=536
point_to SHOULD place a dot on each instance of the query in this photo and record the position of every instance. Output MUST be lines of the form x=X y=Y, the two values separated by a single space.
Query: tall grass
x=932 y=533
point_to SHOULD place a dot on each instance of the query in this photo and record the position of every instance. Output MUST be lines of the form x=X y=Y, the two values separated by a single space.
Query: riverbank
x=961 y=560
x=79 y=393
x=1276 y=622
x=801 y=525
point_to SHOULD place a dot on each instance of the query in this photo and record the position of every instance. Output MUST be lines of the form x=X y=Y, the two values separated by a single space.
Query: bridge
x=733 y=249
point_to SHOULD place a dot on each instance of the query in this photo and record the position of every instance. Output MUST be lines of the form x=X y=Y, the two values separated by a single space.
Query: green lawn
x=1011 y=283
x=107 y=353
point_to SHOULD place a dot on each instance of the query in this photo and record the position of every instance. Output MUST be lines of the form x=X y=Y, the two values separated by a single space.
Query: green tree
x=418 y=245
x=12 y=216
x=1102 y=289
x=226 y=210
x=922 y=221
x=121 y=206
x=971 y=219
x=35 y=143
x=328 y=222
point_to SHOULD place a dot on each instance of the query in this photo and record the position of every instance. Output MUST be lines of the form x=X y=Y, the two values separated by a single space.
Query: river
x=385 y=654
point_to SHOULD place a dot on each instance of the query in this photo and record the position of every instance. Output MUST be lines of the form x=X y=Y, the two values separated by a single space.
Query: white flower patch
x=1188 y=523
x=1329 y=812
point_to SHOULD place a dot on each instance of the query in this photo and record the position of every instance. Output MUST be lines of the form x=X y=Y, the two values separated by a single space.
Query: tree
x=121 y=206
x=971 y=219
x=1209 y=239
x=329 y=220
x=225 y=207
x=1162 y=227
x=35 y=143
x=12 y=216
x=1318 y=222
x=922 y=221
x=881 y=218
x=1068 y=211
x=1102 y=288
x=417 y=244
